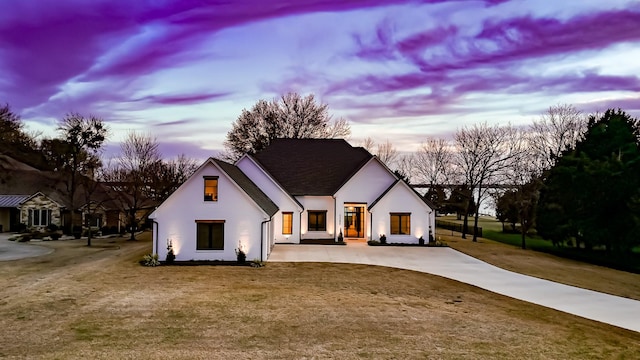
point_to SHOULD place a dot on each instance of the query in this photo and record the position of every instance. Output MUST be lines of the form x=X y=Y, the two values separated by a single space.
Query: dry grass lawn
x=547 y=266
x=98 y=303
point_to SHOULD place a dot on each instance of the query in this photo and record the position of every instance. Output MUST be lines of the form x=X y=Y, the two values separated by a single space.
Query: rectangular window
x=39 y=217
x=400 y=223
x=317 y=221
x=287 y=223
x=210 y=188
x=210 y=235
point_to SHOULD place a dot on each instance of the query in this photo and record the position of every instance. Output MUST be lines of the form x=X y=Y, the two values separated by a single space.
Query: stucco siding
x=401 y=199
x=363 y=188
x=177 y=216
x=278 y=196
x=318 y=203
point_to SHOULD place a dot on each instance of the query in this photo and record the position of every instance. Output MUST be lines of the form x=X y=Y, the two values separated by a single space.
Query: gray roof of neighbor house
x=51 y=184
x=316 y=167
x=249 y=187
x=11 y=201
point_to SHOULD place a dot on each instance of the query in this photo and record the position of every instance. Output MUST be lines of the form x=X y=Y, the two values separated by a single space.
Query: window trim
x=211 y=222
x=324 y=227
x=204 y=188
x=400 y=215
x=289 y=230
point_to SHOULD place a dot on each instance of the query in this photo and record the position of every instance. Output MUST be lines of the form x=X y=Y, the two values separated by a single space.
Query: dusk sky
x=183 y=70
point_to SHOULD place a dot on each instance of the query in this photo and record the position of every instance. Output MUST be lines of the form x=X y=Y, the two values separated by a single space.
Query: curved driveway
x=11 y=250
x=452 y=264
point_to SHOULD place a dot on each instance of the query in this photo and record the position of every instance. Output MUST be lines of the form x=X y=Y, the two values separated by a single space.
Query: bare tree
x=387 y=153
x=557 y=130
x=82 y=138
x=337 y=129
x=433 y=162
x=95 y=197
x=405 y=167
x=368 y=144
x=290 y=116
x=483 y=154
x=170 y=175
x=132 y=175
x=523 y=177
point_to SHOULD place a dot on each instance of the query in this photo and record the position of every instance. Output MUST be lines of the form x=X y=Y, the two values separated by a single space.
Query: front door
x=354 y=221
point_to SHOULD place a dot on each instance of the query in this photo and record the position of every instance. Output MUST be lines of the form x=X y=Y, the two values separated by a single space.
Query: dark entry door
x=354 y=221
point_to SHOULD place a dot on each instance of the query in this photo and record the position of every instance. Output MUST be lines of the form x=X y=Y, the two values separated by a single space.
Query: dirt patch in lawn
x=99 y=303
x=547 y=266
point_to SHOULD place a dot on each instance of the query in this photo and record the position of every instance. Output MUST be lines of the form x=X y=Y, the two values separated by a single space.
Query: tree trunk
x=477 y=215
x=465 y=223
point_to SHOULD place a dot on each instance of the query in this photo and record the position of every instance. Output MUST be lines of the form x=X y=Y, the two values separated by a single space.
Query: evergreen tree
x=592 y=194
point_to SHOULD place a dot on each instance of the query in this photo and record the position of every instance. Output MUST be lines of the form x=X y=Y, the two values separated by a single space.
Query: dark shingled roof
x=248 y=186
x=317 y=167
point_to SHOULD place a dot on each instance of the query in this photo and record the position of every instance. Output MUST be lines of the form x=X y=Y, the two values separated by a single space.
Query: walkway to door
x=452 y=264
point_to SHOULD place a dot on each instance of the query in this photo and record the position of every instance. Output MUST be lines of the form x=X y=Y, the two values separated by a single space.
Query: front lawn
x=492 y=230
x=98 y=303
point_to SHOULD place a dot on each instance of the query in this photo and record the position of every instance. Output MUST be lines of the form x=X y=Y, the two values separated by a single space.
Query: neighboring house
x=294 y=191
x=38 y=211
x=9 y=213
x=37 y=199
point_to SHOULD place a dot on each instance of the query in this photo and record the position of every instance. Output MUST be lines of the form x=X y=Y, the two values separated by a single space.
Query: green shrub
x=256 y=263
x=150 y=260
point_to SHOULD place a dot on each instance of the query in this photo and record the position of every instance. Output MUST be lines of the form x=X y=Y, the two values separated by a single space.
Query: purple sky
x=183 y=70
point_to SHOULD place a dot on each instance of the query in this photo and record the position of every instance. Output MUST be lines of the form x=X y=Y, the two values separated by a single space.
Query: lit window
x=210 y=235
x=210 y=188
x=317 y=220
x=400 y=223
x=287 y=223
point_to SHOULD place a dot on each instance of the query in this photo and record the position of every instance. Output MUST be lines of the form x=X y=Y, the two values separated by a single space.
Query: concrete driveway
x=11 y=250
x=452 y=264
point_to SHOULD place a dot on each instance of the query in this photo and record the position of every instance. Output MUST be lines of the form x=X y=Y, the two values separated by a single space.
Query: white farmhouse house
x=294 y=191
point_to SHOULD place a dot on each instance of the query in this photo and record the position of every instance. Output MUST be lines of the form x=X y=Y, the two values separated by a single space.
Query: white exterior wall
x=317 y=203
x=401 y=199
x=278 y=196
x=177 y=215
x=364 y=187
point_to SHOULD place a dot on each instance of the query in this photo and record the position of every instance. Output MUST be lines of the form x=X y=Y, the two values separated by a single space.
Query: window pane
x=405 y=226
x=217 y=234
x=43 y=217
x=317 y=220
x=210 y=189
x=36 y=217
x=400 y=224
x=203 y=237
x=287 y=223
x=395 y=224
x=210 y=236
